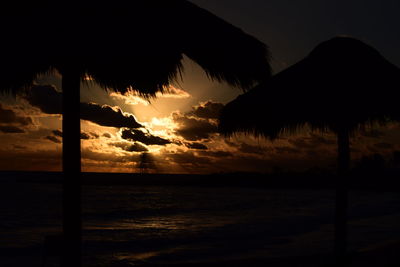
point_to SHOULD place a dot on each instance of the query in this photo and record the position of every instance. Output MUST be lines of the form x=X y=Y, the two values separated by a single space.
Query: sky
x=179 y=129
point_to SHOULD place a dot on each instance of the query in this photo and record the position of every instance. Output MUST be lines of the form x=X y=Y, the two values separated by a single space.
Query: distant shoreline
x=389 y=181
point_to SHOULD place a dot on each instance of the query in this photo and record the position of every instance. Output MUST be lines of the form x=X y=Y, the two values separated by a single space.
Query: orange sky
x=179 y=134
x=179 y=128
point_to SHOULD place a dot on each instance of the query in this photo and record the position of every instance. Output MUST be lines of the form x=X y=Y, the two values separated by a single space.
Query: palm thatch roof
x=342 y=84
x=123 y=44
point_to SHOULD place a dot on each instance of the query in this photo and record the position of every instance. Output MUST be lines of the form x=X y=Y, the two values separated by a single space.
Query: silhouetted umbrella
x=342 y=85
x=121 y=45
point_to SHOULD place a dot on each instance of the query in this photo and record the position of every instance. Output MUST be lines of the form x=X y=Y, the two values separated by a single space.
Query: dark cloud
x=49 y=100
x=19 y=147
x=145 y=138
x=94 y=135
x=221 y=154
x=247 y=148
x=107 y=116
x=57 y=133
x=53 y=139
x=8 y=116
x=207 y=110
x=301 y=143
x=194 y=129
x=136 y=147
x=187 y=158
x=251 y=149
x=46 y=98
x=218 y=154
x=195 y=145
x=10 y=129
x=85 y=136
x=286 y=149
x=107 y=135
x=199 y=123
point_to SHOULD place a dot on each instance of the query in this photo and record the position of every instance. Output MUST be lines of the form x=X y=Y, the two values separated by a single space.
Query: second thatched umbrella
x=341 y=85
x=120 y=44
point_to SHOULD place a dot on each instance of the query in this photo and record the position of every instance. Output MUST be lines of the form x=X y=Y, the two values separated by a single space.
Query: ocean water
x=145 y=225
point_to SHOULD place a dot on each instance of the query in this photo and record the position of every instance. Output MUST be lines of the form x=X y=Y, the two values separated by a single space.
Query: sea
x=183 y=225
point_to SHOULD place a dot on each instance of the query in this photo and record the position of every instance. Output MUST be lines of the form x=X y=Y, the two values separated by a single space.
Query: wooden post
x=340 y=245
x=72 y=225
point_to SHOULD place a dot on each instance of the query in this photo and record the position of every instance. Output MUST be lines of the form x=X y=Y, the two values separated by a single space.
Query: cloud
x=302 y=143
x=53 y=139
x=133 y=98
x=107 y=135
x=195 y=145
x=192 y=128
x=46 y=98
x=286 y=149
x=187 y=158
x=129 y=98
x=10 y=129
x=129 y=147
x=251 y=149
x=94 y=135
x=136 y=147
x=219 y=154
x=247 y=148
x=173 y=92
x=144 y=138
x=107 y=116
x=198 y=124
x=57 y=133
x=207 y=110
x=19 y=147
x=85 y=136
x=8 y=116
x=49 y=100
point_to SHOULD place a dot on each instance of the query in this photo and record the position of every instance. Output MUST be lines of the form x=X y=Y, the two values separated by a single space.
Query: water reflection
x=183 y=224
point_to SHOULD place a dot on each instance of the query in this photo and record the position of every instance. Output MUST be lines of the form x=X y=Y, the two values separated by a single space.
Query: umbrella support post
x=72 y=225
x=340 y=245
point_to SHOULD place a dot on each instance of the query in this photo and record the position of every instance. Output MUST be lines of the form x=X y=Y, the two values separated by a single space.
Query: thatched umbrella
x=342 y=85
x=121 y=45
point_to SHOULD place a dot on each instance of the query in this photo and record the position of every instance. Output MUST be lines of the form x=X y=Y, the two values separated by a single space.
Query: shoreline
x=386 y=182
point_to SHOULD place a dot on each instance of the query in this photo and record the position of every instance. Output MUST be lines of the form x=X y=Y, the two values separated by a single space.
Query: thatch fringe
x=126 y=44
x=343 y=83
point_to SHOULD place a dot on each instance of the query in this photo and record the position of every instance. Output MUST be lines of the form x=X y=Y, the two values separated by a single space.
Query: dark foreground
x=198 y=221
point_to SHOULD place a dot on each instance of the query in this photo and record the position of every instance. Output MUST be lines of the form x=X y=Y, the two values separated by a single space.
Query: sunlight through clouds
x=181 y=139
x=129 y=99
x=133 y=98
